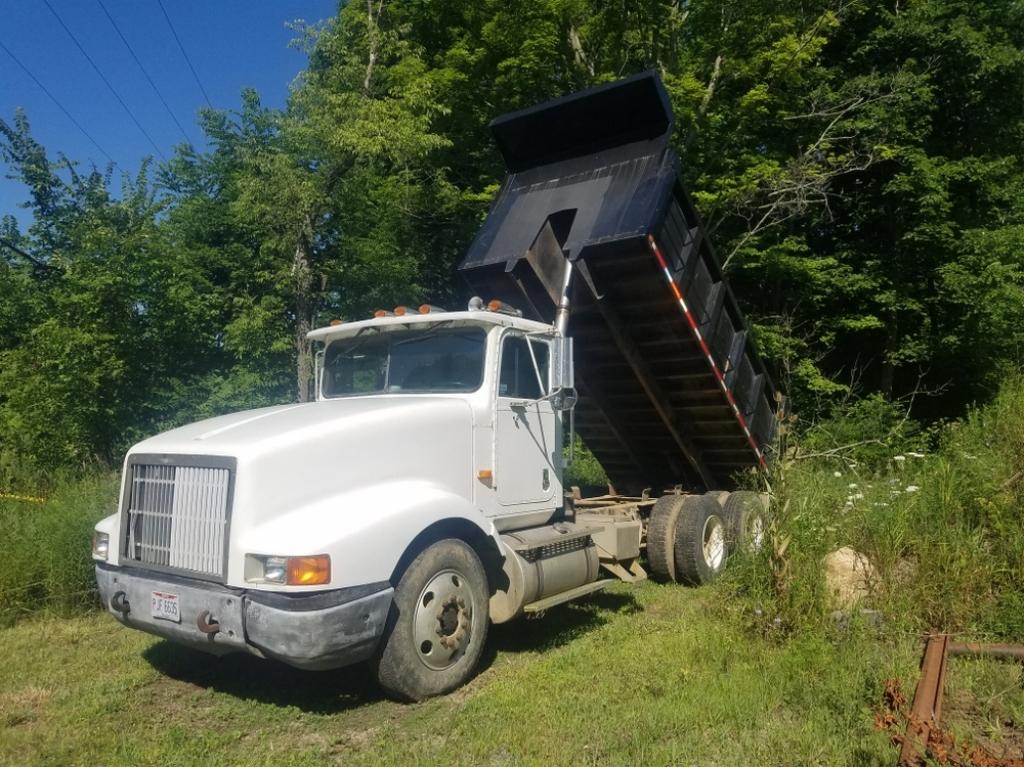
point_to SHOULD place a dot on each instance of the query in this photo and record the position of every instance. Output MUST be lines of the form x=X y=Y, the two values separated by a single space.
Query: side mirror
x=318 y=372
x=563 y=378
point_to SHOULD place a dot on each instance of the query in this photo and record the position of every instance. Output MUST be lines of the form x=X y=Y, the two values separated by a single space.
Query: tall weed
x=45 y=562
x=944 y=530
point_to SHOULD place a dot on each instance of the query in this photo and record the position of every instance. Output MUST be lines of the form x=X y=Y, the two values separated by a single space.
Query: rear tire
x=700 y=541
x=745 y=519
x=661 y=535
x=437 y=625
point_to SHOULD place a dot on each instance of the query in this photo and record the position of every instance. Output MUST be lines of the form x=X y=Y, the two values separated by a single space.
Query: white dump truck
x=420 y=498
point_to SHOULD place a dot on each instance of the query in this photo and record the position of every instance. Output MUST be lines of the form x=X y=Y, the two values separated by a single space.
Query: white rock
x=849 y=577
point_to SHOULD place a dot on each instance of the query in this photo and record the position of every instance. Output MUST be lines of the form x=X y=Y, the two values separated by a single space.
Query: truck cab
x=284 y=531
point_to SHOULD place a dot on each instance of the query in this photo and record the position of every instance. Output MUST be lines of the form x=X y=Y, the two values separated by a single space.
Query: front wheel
x=438 y=624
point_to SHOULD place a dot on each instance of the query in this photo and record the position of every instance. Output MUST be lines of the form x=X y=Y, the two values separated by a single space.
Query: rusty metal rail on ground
x=926 y=710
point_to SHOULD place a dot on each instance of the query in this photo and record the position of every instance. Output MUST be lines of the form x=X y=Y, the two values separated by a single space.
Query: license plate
x=164 y=606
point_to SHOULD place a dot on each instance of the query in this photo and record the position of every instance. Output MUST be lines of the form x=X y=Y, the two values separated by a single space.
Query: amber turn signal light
x=309 y=571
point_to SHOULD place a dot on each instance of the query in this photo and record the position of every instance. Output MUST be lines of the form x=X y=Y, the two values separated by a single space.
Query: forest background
x=858 y=167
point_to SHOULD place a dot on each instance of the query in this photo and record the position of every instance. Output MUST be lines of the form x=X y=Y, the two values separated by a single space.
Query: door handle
x=545 y=479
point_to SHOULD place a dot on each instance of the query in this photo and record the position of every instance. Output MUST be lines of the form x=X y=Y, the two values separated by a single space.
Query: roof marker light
x=336 y=322
x=502 y=308
x=428 y=308
x=383 y=313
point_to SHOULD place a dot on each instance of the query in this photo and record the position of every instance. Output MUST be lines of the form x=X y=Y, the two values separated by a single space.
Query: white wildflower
x=837 y=473
x=852 y=485
x=912 y=488
x=899 y=458
x=916 y=455
x=858 y=496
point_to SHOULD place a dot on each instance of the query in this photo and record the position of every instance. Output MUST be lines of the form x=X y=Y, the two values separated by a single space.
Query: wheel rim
x=443 y=620
x=714 y=543
x=756 y=533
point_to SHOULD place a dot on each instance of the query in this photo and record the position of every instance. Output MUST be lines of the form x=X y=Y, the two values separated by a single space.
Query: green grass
x=653 y=675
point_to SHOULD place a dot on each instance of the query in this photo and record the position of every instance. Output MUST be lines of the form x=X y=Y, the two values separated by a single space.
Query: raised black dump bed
x=671 y=389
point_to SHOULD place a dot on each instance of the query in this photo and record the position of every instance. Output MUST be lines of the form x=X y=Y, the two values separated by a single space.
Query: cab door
x=528 y=436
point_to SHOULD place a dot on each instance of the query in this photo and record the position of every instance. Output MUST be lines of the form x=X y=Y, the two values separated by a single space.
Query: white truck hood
x=255 y=432
x=310 y=474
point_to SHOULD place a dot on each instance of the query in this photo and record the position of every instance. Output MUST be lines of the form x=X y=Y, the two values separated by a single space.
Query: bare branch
x=373 y=34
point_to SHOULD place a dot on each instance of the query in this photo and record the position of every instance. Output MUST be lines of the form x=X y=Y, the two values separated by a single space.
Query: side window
x=518 y=378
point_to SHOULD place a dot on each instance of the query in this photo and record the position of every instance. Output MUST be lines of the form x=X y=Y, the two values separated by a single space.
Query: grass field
x=750 y=670
x=655 y=675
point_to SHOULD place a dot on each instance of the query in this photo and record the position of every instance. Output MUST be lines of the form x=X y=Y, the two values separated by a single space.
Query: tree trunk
x=888 y=376
x=302 y=275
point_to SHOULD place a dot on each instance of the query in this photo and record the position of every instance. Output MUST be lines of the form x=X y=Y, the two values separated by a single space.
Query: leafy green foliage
x=858 y=167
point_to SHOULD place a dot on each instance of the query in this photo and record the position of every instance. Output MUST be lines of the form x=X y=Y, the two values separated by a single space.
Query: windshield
x=434 y=360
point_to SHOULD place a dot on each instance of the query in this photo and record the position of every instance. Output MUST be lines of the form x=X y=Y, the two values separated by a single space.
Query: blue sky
x=232 y=44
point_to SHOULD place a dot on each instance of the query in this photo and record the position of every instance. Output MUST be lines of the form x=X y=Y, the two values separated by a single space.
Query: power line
x=104 y=79
x=60 y=106
x=142 y=69
x=183 y=53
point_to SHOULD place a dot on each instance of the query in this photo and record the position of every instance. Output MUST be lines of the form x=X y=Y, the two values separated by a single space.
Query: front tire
x=437 y=626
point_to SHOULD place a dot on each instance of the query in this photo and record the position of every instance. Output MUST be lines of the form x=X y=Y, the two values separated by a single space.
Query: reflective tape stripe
x=704 y=348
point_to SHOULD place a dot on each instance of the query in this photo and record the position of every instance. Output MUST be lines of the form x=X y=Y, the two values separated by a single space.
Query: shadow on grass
x=267 y=681
x=559 y=626
x=328 y=692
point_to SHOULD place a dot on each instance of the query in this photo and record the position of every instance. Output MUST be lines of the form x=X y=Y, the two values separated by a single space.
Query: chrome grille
x=177 y=515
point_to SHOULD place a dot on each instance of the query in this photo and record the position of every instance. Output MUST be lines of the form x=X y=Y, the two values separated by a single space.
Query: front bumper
x=322 y=630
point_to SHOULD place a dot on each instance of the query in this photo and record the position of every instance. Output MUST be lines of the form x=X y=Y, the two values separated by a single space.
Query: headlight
x=100 y=545
x=290 y=571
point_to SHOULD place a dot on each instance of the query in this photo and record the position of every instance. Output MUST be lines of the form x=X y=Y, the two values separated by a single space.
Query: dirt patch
x=22 y=706
x=946 y=744
x=989 y=724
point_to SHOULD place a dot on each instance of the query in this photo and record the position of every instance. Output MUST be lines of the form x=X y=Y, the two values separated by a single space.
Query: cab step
x=566 y=596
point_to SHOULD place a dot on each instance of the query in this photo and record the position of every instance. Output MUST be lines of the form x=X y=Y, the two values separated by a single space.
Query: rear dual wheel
x=745 y=521
x=686 y=539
